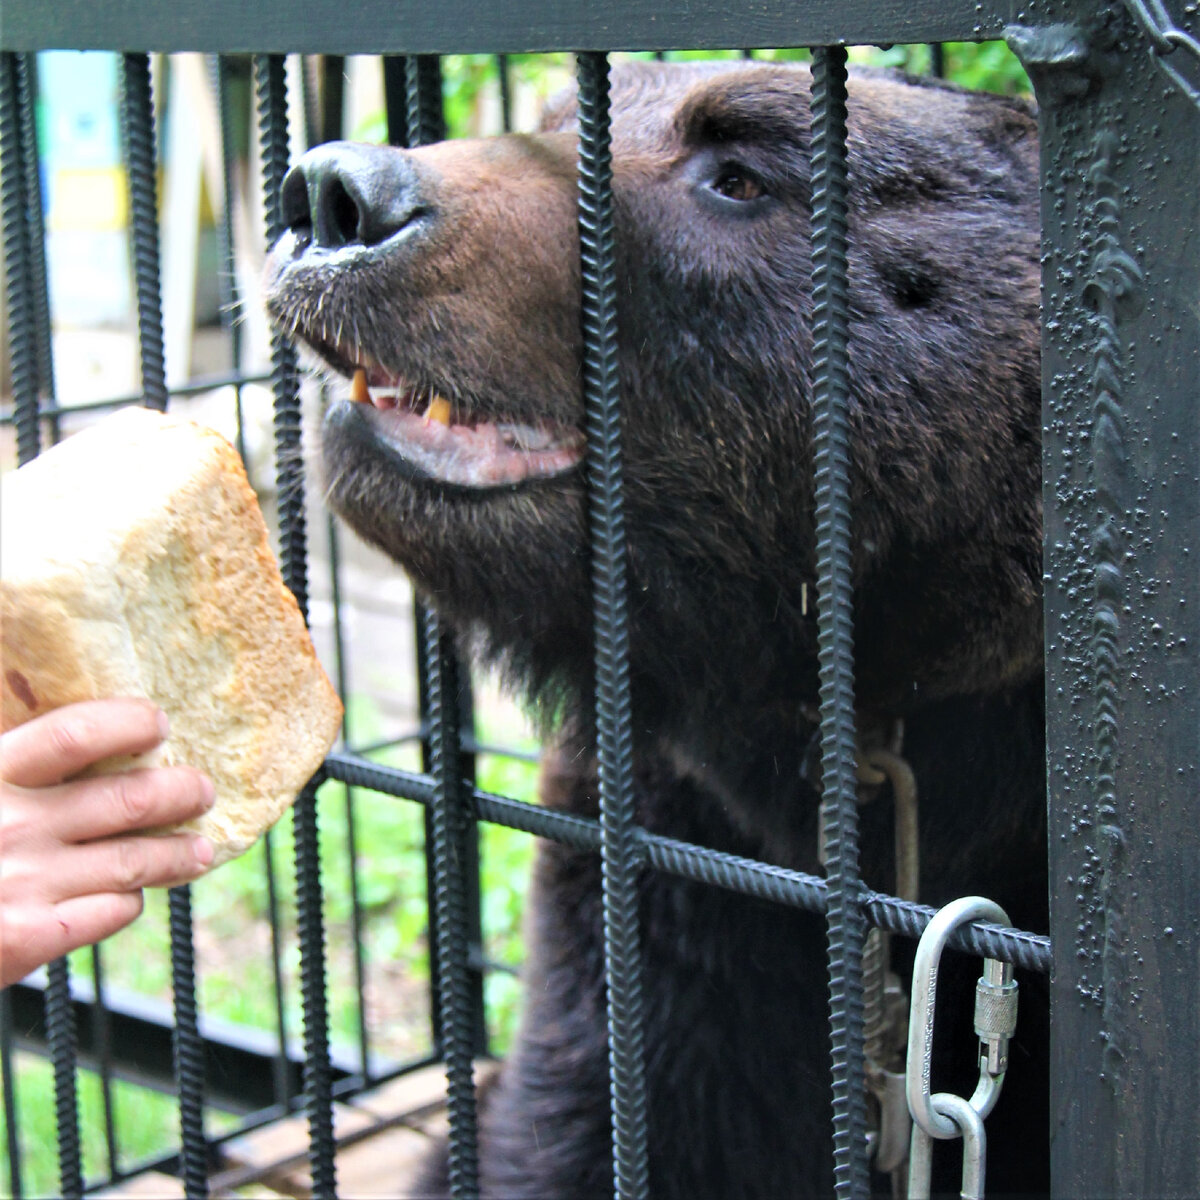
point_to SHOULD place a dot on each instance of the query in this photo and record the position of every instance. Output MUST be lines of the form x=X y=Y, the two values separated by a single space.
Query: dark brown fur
x=480 y=301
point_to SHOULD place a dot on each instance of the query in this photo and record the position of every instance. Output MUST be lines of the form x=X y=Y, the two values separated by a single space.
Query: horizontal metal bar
x=239 y=1060
x=768 y=882
x=501 y=27
x=194 y=387
x=348 y=1086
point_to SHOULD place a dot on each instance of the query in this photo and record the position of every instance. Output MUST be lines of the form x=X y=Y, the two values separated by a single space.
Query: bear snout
x=346 y=194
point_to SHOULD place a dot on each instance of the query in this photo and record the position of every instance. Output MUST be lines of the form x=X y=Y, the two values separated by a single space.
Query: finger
x=33 y=934
x=59 y=744
x=129 y=863
x=125 y=802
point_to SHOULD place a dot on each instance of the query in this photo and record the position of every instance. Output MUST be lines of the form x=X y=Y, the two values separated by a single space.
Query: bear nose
x=343 y=193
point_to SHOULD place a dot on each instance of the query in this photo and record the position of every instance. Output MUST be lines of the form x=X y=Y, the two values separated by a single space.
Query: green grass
x=146 y=1124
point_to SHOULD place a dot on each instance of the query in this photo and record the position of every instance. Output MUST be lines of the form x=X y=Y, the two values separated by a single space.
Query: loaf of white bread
x=134 y=561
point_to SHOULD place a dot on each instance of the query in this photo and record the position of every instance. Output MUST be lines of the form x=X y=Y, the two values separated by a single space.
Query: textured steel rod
x=188 y=1047
x=138 y=124
x=36 y=232
x=271 y=89
x=60 y=1036
x=137 y=110
x=768 y=882
x=423 y=81
x=830 y=319
x=450 y=828
x=22 y=333
x=60 y=1021
x=620 y=859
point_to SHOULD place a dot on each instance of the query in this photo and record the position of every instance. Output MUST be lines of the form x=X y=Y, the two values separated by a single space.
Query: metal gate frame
x=1120 y=137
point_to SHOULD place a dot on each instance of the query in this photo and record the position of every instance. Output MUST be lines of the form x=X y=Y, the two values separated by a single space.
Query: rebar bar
x=271 y=90
x=830 y=324
x=620 y=860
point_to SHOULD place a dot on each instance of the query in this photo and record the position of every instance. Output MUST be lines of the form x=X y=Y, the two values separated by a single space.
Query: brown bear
x=443 y=285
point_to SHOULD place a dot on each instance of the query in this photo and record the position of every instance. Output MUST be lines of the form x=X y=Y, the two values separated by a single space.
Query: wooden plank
x=279 y=1152
x=382 y=1165
x=407 y=1095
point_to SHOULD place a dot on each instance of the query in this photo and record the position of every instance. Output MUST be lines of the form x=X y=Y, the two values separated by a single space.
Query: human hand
x=72 y=863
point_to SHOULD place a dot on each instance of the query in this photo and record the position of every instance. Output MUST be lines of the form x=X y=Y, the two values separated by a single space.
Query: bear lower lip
x=478 y=457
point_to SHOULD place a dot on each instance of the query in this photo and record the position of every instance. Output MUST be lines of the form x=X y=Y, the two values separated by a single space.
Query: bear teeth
x=438 y=410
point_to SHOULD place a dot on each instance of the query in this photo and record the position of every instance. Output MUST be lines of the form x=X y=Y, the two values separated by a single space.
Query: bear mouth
x=445 y=440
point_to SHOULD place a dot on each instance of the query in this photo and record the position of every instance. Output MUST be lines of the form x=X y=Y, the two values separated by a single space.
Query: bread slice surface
x=135 y=561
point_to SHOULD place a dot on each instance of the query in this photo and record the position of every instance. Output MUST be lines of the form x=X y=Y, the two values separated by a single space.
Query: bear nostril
x=342 y=194
x=340 y=220
x=293 y=205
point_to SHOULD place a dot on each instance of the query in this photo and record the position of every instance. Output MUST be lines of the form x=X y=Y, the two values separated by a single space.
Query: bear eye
x=736 y=183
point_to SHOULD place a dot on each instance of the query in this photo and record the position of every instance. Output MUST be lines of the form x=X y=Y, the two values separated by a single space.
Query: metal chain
x=945 y=1115
x=1166 y=37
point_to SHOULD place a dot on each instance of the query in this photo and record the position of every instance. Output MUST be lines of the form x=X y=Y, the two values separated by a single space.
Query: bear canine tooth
x=359 y=392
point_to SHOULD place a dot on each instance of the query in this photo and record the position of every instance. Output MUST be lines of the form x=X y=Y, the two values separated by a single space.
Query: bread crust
x=136 y=561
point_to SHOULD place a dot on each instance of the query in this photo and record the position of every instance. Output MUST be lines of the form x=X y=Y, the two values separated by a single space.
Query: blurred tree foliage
x=986 y=66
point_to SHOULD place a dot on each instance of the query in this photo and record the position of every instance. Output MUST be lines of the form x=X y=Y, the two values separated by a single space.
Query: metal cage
x=1120 y=129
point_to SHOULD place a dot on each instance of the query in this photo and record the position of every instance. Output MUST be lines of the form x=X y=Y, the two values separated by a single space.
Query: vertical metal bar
x=60 y=1024
x=281 y=1068
x=502 y=68
x=1120 y=208
x=326 y=105
x=356 y=915
x=835 y=617
x=271 y=87
x=333 y=97
x=620 y=859
x=138 y=127
x=189 y=1049
x=937 y=60
x=227 y=275
x=60 y=1036
x=35 y=225
x=395 y=98
x=22 y=334
x=452 y=839
x=451 y=828
x=403 y=119
x=102 y=1041
x=8 y=1081
x=138 y=119
x=423 y=78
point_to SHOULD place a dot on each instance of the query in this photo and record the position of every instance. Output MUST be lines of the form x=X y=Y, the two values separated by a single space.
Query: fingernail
x=208 y=790
x=202 y=848
x=164 y=725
